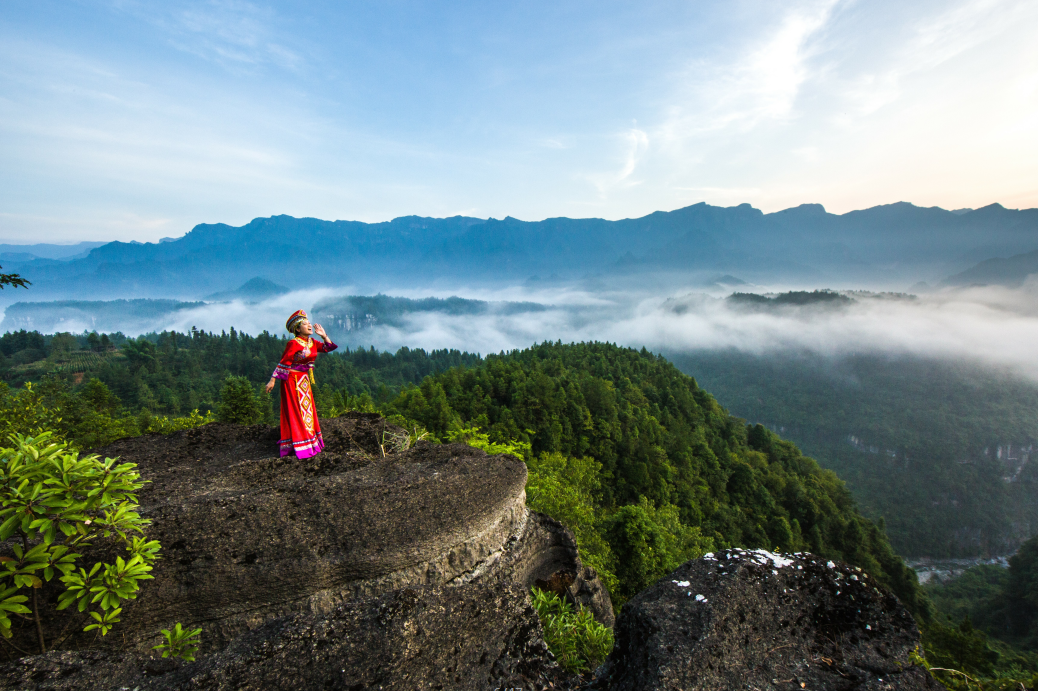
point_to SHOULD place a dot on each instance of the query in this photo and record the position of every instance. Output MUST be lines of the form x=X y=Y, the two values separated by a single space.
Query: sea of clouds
x=998 y=326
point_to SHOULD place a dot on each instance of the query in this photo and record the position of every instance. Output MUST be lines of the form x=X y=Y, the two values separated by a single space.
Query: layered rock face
x=477 y=635
x=353 y=569
x=754 y=620
x=254 y=537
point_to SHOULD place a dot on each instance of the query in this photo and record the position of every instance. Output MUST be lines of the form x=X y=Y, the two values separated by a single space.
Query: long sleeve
x=325 y=346
x=284 y=366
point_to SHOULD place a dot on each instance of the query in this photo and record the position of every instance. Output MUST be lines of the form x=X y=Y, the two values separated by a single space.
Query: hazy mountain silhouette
x=254 y=290
x=1011 y=271
x=24 y=253
x=893 y=244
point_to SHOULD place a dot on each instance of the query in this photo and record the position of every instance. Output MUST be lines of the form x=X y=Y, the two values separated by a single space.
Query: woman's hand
x=319 y=330
x=270 y=385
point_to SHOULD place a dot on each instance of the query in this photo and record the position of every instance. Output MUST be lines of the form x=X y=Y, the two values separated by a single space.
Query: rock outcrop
x=263 y=537
x=351 y=569
x=359 y=569
x=754 y=620
x=481 y=634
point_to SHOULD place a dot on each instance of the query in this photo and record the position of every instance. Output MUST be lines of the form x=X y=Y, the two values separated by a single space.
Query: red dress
x=300 y=429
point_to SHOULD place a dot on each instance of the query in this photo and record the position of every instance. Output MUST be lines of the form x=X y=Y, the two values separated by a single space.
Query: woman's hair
x=298 y=326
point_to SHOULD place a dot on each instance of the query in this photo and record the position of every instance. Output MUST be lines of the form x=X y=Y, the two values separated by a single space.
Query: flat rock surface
x=248 y=537
x=752 y=620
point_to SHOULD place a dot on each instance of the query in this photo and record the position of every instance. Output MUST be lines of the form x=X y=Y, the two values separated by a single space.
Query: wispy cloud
x=233 y=33
x=760 y=85
x=634 y=143
x=929 y=41
x=957 y=325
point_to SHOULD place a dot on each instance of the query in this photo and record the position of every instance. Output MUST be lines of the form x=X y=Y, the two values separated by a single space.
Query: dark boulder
x=752 y=620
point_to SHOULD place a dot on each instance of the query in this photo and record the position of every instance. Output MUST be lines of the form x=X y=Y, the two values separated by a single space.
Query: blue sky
x=137 y=120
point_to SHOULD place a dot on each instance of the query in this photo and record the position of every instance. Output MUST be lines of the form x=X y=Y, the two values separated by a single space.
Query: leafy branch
x=56 y=504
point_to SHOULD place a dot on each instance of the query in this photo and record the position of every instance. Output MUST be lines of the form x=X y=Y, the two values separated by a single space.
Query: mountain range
x=885 y=246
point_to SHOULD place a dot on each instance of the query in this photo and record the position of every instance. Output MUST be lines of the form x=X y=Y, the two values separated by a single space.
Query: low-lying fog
x=993 y=324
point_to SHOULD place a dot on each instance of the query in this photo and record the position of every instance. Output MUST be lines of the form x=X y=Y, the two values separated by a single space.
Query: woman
x=300 y=429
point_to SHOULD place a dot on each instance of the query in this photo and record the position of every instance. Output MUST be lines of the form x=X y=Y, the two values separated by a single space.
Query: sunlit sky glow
x=136 y=120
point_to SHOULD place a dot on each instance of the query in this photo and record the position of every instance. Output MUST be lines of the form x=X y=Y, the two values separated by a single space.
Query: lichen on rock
x=753 y=619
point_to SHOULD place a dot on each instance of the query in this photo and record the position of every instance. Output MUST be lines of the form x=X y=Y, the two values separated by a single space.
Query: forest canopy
x=645 y=466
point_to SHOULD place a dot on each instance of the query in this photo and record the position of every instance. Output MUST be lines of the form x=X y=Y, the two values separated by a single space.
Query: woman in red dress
x=300 y=429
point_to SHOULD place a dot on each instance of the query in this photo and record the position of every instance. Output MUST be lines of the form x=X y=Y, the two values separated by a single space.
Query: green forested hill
x=644 y=465
x=941 y=451
x=661 y=449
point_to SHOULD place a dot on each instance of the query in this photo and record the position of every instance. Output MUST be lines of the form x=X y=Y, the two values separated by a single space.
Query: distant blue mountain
x=885 y=244
x=254 y=290
x=1011 y=271
x=23 y=253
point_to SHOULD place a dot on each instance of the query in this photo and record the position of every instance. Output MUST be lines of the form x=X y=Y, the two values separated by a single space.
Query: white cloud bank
x=994 y=325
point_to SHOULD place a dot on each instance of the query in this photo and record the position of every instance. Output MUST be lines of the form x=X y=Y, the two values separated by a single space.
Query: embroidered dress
x=300 y=429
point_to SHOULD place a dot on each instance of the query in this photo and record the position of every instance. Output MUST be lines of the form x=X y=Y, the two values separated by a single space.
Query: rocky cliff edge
x=363 y=570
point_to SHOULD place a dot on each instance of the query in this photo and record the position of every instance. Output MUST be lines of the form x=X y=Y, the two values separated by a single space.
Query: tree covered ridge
x=172 y=373
x=645 y=466
x=921 y=441
x=670 y=469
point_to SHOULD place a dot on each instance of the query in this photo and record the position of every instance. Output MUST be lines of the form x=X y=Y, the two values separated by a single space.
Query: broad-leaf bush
x=56 y=508
x=179 y=643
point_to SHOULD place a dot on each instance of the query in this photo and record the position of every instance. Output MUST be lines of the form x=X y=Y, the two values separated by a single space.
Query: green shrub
x=57 y=504
x=168 y=425
x=180 y=643
x=473 y=437
x=648 y=543
x=961 y=647
x=335 y=403
x=25 y=412
x=576 y=639
x=239 y=402
x=957 y=680
x=563 y=488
